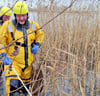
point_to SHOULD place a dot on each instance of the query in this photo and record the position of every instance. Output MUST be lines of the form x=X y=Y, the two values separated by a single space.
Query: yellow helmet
x=4 y=11
x=20 y=8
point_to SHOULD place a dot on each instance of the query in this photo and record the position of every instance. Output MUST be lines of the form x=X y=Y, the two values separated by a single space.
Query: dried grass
x=70 y=54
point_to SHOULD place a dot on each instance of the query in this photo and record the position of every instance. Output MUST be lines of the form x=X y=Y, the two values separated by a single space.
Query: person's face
x=21 y=19
x=5 y=18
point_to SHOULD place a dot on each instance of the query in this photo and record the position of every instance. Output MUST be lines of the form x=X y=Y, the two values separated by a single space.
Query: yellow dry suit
x=1 y=45
x=1 y=66
x=19 y=35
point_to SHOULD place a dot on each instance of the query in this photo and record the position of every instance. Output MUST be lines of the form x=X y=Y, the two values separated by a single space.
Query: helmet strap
x=1 y=19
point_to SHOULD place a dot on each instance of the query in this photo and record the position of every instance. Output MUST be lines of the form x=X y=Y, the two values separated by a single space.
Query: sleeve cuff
x=38 y=44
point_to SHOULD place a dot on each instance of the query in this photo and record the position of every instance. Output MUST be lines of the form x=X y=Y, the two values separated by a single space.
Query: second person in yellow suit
x=5 y=14
x=11 y=31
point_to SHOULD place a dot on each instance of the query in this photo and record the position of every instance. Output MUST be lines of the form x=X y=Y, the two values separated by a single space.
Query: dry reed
x=70 y=54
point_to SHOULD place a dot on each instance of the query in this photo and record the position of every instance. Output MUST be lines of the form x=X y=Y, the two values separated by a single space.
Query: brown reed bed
x=70 y=54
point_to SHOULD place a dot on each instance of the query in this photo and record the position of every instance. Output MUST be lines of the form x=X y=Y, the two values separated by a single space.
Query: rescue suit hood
x=20 y=26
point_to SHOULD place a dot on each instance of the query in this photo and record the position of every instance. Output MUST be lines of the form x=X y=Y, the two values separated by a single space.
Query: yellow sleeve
x=3 y=35
x=39 y=35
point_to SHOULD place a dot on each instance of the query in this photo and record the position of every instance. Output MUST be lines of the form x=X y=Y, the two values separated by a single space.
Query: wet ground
x=64 y=86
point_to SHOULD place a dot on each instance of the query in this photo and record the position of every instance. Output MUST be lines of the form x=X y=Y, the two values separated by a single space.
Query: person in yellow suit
x=28 y=44
x=5 y=14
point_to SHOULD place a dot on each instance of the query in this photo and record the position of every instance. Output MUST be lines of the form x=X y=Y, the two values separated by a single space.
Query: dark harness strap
x=12 y=35
x=11 y=76
x=16 y=76
x=21 y=44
